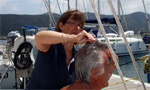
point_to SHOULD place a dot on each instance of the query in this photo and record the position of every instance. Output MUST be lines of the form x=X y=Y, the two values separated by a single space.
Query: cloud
x=3 y=2
x=35 y=1
x=15 y=7
x=34 y=6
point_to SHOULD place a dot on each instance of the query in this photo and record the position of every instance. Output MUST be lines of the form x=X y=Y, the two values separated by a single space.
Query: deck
x=116 y=84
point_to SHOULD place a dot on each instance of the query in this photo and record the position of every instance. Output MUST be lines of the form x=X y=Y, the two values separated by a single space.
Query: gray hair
x=87 y=58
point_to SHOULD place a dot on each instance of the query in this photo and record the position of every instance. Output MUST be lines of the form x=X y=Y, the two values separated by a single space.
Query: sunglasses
x=74 y=24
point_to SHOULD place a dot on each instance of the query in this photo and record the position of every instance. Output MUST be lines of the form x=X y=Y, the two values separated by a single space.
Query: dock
x=115 y=83
x=3 y=37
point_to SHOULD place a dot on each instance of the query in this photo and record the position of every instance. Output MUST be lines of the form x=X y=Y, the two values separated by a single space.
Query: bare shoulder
x=43 y=47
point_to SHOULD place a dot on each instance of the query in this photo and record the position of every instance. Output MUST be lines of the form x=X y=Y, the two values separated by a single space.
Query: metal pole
x=0 y=25
x=49 y=13
x=108 y=43
x=123 y=16
x=24 y=78
x=146 y=15
x=68 y=5
x=76 y=4
x=118 y=8
x=85 y=9
x=125 y=40
x=98 y=7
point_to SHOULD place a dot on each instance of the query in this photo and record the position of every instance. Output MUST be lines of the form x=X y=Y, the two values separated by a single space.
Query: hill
x=10 y=22
x=14 y=22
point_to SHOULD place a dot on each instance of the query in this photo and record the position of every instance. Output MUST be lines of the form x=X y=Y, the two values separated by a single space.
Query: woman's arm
x=44 y=39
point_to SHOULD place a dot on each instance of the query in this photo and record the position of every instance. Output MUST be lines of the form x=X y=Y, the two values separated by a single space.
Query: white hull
x=137 y=46
x=8 y=82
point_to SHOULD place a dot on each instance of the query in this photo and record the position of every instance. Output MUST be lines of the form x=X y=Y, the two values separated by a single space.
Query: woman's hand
x=83 y=37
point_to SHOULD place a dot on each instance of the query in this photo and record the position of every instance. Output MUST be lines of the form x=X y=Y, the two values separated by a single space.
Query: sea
x=3 y=42
x=126 y=65
x=128 y=69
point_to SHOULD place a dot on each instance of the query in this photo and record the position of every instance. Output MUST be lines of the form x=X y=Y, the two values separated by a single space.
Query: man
x=93 y=67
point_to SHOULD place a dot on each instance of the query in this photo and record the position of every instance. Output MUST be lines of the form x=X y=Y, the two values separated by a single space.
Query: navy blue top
x=50 y=69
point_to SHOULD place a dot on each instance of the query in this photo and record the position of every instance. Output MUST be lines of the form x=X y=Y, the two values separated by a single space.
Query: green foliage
x=10 y=22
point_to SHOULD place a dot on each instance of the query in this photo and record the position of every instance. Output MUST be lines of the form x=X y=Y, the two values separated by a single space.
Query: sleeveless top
x=50 y=69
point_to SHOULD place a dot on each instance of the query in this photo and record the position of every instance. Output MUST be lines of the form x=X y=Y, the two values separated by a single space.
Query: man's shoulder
x=65 y=88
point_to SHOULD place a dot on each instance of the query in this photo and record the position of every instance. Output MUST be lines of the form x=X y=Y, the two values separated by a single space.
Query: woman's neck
x=68 y=47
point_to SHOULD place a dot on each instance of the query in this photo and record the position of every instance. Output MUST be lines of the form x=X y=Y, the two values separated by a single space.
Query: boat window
x=112 y=40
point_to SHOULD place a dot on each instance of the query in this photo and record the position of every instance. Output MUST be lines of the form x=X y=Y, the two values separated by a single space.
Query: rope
x=146 y=15
x=125 y=40
x=59 y=7
x=107 y=41
x=129 y=78
x=50 y=13
x=147 y=65
x=122 y=82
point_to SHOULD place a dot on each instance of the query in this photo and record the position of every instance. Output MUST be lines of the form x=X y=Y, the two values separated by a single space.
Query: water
x=128 y=69
x=125 y=63
x=3 y=42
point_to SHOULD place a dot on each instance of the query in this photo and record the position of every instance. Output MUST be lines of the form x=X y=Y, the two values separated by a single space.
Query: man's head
x=92 y=64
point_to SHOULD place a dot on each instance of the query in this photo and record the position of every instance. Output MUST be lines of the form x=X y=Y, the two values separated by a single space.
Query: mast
x=123 y=16
x=68 y=5
x=118 y=8
x=0 y=25
x=85 y=10
x=47 y=5
x=76 y=4
x=59 y=7
x=49 y=8
x=146 y=15
x=98 y=1
x=118 y=2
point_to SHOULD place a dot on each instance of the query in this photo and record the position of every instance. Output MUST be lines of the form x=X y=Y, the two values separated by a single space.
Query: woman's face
x=71 y=27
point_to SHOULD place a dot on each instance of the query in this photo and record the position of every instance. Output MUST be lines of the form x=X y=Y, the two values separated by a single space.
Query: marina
x=18 y=52
x=115 y=82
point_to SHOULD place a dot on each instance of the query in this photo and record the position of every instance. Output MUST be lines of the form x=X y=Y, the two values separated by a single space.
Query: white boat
x=118 y=45
x=136 y=44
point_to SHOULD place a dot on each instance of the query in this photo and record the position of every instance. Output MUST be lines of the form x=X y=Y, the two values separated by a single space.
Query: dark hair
x=75 y=14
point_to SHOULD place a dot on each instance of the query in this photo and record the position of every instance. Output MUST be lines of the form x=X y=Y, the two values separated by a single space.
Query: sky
x=34 y=7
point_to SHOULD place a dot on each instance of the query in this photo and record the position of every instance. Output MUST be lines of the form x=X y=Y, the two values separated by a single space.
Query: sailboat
x=116 y=40
x=137 y=45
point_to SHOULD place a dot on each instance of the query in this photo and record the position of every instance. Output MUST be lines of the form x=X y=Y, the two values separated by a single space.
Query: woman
x=54 y=66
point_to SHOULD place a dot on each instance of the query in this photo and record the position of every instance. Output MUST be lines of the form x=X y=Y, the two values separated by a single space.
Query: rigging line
x=85 y=9
x=113 y=30
x=146 y=15
x=123 y=16
x=49 y=9
x=59 y=7
x=125 y=40
x=108 y=43
x=49 y=12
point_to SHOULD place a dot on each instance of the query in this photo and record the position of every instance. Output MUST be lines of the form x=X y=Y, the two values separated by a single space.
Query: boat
x=116 y=40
